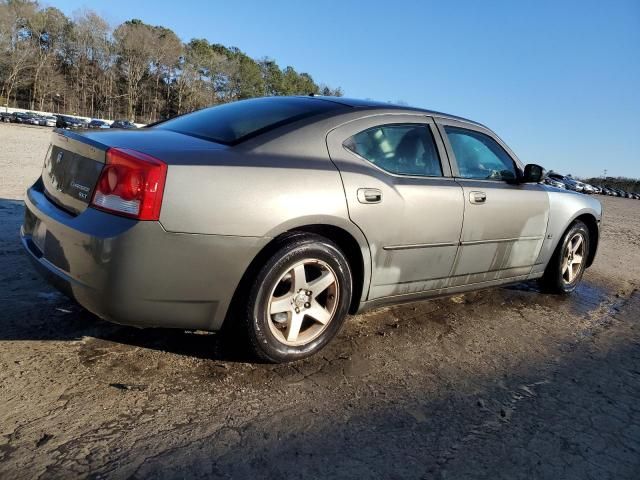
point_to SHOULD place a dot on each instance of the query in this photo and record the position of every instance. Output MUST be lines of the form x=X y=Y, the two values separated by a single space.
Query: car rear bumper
x=135 y=273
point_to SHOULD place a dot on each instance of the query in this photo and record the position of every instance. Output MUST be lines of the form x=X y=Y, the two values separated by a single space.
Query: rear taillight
x=131 y=184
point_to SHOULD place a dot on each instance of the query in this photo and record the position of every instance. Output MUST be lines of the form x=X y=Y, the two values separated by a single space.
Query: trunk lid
x=75 y=159
x=71 y=170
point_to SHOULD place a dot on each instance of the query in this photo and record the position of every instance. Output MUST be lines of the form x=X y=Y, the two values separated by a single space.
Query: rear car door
x=400 y=193
x=505 y=222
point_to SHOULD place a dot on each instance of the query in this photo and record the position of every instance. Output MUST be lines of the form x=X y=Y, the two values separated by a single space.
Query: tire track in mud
x=500 y=412
x=503 y=404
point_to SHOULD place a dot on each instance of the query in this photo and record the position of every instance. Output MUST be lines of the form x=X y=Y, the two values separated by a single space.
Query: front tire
x=568 y=263
x=298 y=300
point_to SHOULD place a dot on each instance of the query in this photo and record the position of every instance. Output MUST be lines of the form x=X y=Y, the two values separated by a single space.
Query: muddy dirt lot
x=505 y=383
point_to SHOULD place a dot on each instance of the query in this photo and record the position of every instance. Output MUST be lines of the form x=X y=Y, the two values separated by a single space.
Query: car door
x=401 y=195
x=505 y=222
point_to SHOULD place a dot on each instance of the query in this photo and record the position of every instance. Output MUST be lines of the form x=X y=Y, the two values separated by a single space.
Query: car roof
x=373 y=104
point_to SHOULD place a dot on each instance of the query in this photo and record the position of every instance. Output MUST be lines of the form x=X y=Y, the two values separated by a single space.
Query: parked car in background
x=48 y=121
x=278 y=216
x=569 y=182
x=34 y=118
x=98 y=124
x=621 y=193
x=554 y=183
x=20 y=117
x=65 y=121
x=123 y=124
x=5 y=117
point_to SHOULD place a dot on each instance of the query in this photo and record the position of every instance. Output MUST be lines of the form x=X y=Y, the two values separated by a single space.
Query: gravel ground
x=503 y=383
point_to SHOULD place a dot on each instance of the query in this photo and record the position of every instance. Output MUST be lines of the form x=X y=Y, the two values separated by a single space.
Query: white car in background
x=48 y=121
x=554 y=183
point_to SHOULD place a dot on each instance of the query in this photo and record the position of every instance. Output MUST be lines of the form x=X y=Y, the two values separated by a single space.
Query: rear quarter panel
x=262 y=188
x=252 y=194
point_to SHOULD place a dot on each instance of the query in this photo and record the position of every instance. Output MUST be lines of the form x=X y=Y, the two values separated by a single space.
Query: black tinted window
x=233 y=122
x=399 y=149
x=479 y=156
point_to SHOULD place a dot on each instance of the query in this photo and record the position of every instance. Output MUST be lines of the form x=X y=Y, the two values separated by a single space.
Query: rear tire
x=298 y=300
x=568 y=263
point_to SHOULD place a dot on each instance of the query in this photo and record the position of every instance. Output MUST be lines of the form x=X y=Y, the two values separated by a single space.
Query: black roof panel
x=368 y=103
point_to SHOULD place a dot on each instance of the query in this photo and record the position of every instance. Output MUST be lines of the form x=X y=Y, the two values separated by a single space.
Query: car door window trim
x=442 y=122
x=429 y=131
x=492 y=153
x=398 y=175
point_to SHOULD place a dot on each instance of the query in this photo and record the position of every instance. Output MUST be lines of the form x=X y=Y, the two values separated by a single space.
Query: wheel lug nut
x=309 y=292
x=297 y=310
x=307 y=305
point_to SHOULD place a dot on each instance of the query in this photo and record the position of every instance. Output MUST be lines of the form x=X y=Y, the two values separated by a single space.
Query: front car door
x=401 y=195
x=505 y=222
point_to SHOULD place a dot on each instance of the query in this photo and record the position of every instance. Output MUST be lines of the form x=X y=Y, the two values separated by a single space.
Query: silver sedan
x=278 y=217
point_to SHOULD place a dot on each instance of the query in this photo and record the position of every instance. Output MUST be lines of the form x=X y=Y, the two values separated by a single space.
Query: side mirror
x=533 y=174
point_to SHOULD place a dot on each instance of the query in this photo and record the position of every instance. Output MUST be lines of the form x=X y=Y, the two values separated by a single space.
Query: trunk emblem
x=59 y=157
x=80 y=187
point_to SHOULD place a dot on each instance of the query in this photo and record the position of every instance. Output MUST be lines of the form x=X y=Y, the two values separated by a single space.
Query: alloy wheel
x=303 y=302
x=573 y=258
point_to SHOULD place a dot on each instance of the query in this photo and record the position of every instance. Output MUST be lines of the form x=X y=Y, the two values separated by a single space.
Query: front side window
x=479 y=156
x=399 y=149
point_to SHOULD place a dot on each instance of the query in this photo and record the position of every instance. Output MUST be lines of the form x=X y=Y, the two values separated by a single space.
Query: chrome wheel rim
x=303 y=302
x=573 y=258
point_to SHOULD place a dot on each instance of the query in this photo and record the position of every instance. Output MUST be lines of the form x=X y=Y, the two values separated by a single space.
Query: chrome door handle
x=477 y=197
x=369 y=195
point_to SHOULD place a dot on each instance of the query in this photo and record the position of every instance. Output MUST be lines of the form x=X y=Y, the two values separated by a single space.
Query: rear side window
x=232 y=123
x=399 y=149
x=479 y=156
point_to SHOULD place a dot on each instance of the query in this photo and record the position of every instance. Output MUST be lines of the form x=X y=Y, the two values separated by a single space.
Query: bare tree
x=134 y=42
x=165 y=57
x=47 y=28
x=82 y=66
x=17 y=50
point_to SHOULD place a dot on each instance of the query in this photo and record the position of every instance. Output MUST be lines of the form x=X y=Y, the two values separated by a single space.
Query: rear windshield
x=232 y=123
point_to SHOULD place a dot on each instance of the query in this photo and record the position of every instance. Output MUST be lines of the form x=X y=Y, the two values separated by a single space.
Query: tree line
x=140 y=72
